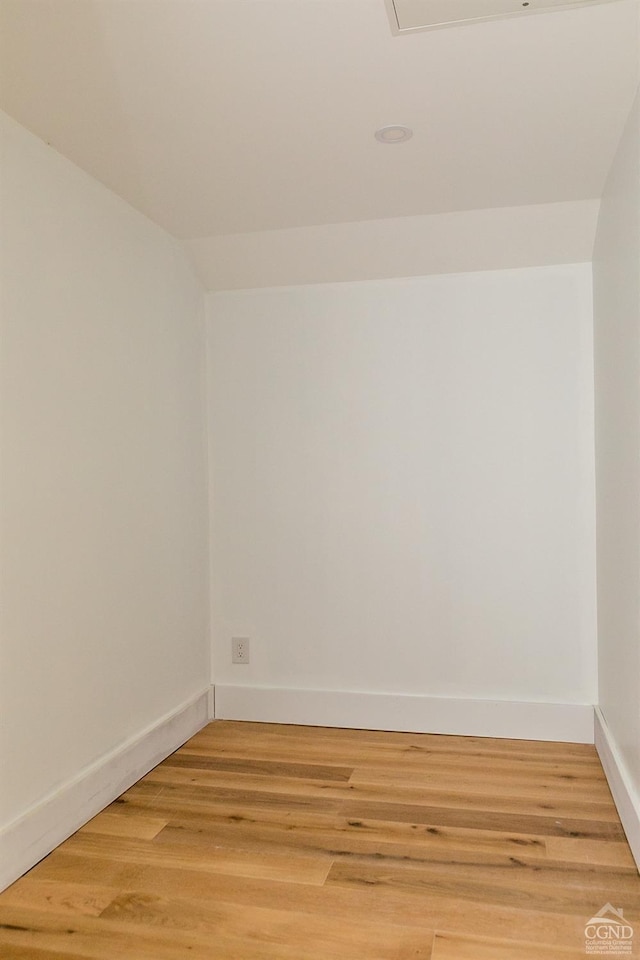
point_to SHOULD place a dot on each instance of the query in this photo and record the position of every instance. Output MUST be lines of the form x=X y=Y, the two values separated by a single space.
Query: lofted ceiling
x=232 y=116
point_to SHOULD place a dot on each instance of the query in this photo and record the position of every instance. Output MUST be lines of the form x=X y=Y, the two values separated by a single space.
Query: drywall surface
x=103 y=500
x=616 y=276
x=537 y=235
x=402 y=480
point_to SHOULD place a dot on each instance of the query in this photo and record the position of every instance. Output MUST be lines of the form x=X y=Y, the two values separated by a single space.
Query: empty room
x=319 y=479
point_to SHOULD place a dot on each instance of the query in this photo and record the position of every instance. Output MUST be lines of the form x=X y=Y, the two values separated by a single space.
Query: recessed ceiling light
x=393 y=134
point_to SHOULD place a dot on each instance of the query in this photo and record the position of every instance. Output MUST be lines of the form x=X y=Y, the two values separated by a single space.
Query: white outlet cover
x=240 y=650
x=407 y=16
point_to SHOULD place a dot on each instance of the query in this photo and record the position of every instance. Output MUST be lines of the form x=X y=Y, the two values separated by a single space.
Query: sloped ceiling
x=229 y=116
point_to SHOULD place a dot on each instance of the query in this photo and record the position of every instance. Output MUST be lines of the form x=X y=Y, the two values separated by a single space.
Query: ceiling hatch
x=409 y=15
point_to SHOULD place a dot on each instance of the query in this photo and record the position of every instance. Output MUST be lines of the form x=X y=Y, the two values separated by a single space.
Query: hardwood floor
x=258 y=841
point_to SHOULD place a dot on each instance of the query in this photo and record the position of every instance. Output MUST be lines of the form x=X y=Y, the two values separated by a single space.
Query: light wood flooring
x=259 y=841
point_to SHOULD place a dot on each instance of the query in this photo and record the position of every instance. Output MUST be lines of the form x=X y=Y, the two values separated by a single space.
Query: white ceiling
x=232 y=116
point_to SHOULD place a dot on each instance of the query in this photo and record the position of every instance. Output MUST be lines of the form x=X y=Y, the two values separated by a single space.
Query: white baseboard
x=568 y=722
x=32 y=836
x=624 y=793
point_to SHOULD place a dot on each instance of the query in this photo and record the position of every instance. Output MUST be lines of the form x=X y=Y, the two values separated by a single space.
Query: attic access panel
x=408 y=16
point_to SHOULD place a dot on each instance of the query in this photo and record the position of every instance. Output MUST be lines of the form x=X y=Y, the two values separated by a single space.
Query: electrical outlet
x=240 y=650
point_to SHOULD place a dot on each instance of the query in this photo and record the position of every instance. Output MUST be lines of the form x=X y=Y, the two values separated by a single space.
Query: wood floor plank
x=112 y=824
x=449 y=946
x=270 y=842
x=339 y=839
x=245 y=732
x=534 y=886
x=408 y=906
x=62 y=866
x=605 y=853
x=12 y=951
x=120 y=941
x=292 y=866
x=94 y=938
x=178 y=807
x=570 y=803
x=378 y=758
x=144 y=928
x=354 y=754
x=537 y=825
x=336 y=837
x=504 y=776
x=191 y=794
x=76 y=899
x=526 y=781
x=268 y=768
x=324 y=938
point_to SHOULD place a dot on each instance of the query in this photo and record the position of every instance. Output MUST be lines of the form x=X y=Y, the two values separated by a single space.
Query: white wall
x=541 y=234
x=103 y=505
x=402 y=480
x=616 y=275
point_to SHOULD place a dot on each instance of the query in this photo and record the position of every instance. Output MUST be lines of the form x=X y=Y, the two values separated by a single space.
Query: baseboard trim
x=32 y=836
x=625 y=795
x=568 y=722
